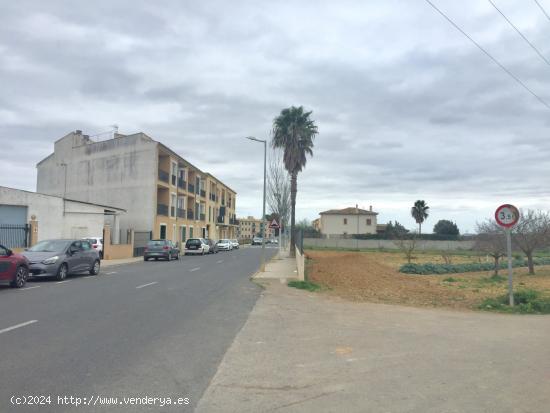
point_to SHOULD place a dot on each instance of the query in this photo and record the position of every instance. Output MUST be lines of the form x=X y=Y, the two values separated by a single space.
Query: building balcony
x=203 y=193
x=191 y=188
x=220 y=220
x=181 y=213
x=182 y=184
x=162 y=209
x=203 y=217
x=164 y=176
x=190 y=214
x=233 y=221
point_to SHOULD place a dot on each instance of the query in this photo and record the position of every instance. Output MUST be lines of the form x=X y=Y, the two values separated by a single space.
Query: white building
x=347 y=221
x=57 y=217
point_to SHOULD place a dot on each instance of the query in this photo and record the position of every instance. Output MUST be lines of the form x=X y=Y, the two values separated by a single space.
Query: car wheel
x=145 y=259
x=62 y=272
x=95 y=268
x=156 y=259
x=20 y=278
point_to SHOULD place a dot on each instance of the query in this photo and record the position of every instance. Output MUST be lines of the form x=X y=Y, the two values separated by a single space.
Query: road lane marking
x=194 y=269
x=145 y=285
x=5 y=330
x=28 y=288
x=62 y=282
x=109 y=273
x=219 y=262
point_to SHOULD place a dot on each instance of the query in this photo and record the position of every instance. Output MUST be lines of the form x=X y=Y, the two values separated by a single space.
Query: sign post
x=275 y=225
x=507 y=216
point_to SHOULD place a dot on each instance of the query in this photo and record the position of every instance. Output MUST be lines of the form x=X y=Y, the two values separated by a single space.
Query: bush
x=430 y=268
x=526 y=302
x=304 y=285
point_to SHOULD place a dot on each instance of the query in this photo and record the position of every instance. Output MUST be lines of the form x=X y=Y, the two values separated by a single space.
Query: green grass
x=493 y=279
x=304 y=285
x=450 y=280
x=526 y=302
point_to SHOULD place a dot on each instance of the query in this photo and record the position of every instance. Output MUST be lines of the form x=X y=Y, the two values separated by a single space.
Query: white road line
x=28 y=288
x=109 y=273
x=145 y=285
x=219 y=262
x=62 y=282
x=5 y=330
x=194 y=269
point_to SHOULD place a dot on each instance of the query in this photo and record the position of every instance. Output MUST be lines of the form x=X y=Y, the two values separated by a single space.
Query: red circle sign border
x=516 y=213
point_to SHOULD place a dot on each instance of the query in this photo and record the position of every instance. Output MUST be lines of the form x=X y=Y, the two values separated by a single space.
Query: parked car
x=235 y=243
x=213 y=246
x=196 y=246
x=97 y=243
x=256 y=241
x=225 y=245
x=14 y=268
x=161 y=248
x=61 y=257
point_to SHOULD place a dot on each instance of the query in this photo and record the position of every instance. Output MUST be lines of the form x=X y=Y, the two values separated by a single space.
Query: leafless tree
x=532 y=232
x=278 y=186
x=491 y=240
x=407 y=243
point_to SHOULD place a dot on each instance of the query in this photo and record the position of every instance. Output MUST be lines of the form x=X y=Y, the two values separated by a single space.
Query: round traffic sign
x=507 y=215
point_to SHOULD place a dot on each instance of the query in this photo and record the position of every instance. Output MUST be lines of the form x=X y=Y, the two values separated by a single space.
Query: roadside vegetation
x=304 y=285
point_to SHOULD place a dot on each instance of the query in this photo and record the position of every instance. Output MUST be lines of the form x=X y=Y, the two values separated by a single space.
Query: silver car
x=61 y=257
x=225 y=245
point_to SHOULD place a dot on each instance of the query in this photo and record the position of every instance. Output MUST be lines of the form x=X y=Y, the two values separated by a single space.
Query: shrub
x=431 y=268
x=526 y=302
x=304 y=285
x=450 y=280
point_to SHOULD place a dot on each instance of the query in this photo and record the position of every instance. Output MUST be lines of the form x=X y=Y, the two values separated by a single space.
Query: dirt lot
x=374 y=276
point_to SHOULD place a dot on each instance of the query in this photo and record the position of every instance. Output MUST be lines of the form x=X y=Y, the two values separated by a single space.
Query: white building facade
x=347 y=221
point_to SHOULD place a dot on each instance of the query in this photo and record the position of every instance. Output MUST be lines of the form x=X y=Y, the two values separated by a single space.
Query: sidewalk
x=110 y=263
x=309 y=352
x=281 y=267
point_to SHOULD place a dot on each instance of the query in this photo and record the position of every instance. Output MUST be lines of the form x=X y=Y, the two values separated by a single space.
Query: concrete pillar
x=33 y=238
x=106 y=242
x=116 y=230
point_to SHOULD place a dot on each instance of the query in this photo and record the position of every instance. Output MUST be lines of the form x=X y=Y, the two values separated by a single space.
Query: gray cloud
x=407 y=108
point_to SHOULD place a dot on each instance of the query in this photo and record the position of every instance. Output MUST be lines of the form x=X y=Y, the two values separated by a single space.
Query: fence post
x=33 y=238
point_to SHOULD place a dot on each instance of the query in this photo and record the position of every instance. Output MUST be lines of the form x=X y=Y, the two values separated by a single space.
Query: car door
x=6 y=264
x=89 y=255
x=76 y=258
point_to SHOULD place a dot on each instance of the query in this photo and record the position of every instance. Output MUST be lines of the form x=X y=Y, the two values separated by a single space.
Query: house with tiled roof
x=348 y=221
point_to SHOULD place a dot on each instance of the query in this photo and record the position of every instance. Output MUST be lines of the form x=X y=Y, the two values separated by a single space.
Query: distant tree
x=446 y=227
x=394 y=231
x=419 y=212
x=278 y=187
x=294 y=132
x=532 y=232
x=490 y=239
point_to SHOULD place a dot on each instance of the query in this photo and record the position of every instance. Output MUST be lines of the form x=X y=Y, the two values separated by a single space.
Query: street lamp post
x=262 y=258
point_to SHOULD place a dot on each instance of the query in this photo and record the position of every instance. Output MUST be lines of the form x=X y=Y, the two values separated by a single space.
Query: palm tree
x=294 y=131
x=419 y=212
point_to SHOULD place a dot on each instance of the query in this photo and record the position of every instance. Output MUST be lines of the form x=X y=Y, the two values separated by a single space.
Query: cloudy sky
x=407 y=107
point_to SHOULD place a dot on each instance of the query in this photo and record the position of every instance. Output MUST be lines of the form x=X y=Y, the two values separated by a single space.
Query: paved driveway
x=305 y=352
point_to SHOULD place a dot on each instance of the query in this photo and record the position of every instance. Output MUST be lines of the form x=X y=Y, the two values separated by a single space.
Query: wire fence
x=14 y=236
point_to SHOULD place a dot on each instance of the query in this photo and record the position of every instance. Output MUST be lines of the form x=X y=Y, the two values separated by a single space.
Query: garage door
x=13 y=214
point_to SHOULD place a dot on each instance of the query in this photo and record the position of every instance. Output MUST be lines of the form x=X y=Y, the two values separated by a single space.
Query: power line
x=520 y=33
x=518 y=80
x=542 y=9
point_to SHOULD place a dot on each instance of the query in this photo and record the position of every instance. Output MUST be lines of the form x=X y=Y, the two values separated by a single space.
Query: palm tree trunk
x=420 y=228
x=293 y=190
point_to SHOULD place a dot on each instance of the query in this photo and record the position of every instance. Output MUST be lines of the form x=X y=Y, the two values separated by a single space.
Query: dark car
x=14 y=268
x=161 y=248
x=61 y=257
x=213 y=246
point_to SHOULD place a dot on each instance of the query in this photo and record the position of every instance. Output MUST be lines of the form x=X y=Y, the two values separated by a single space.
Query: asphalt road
x=150 y=329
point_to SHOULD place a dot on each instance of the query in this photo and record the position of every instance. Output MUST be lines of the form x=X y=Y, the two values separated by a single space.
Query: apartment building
x=161 y=191
x=249 y=227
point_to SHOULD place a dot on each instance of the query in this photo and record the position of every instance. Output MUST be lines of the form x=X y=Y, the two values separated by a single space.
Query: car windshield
x=49 y=246
x=224 y=241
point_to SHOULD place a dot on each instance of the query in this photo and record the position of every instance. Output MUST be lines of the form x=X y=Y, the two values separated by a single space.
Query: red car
x=14 y=268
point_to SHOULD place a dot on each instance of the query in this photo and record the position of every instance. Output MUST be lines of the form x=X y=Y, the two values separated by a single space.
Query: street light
x=262 y=258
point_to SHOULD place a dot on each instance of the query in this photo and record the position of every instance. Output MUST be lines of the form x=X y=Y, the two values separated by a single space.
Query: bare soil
x=374 y=277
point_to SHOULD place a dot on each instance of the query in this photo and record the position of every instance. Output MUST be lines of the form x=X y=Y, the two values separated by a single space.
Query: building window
x=369 y=221
x=162 y=231
x=183 y=234
x=190 y=232
x=345 y=221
